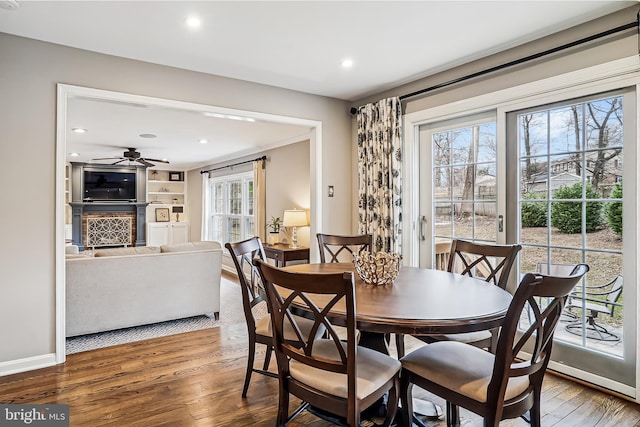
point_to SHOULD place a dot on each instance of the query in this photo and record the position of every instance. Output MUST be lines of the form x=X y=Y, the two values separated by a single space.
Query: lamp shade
x=294 y=218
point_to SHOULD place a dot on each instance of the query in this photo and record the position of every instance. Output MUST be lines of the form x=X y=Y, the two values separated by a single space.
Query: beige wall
x=613 y=47
x=30 y=71
x=288 y=184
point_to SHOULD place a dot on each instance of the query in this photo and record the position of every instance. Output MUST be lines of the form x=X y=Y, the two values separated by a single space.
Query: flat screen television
x=109 y=185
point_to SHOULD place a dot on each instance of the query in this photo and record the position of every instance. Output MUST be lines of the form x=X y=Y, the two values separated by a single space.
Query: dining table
x=420 y=301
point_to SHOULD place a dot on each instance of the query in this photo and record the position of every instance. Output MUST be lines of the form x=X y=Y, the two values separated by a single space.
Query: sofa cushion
x=127 y=251
x=191 y=246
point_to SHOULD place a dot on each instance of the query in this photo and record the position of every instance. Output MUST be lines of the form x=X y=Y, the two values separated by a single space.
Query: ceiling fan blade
x=144 y=162
x=156 y=160
x=109 y=158
x=119 y=161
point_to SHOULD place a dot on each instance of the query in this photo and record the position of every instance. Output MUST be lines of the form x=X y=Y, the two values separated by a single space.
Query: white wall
x=30 y=71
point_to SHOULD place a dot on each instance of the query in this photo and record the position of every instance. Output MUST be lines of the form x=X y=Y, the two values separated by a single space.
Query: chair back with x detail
x=242 y=253
x=334 y=248
x=509 y=383
x=336 y=377
x=489 y=262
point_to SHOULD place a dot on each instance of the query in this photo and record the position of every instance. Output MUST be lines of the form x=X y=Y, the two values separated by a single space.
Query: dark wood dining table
x=420 y=301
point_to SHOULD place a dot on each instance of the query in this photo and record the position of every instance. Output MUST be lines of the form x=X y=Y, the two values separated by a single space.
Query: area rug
x=230 y=313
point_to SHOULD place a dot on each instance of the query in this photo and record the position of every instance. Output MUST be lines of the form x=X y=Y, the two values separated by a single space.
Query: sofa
x=123 y=287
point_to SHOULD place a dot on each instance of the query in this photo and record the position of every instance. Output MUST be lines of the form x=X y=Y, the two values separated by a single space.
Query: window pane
x=235 y=198
x=582 y=219
x=233 y=230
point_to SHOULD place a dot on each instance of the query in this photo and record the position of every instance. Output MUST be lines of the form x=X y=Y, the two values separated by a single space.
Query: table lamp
x=177 y=210
x=294 y=218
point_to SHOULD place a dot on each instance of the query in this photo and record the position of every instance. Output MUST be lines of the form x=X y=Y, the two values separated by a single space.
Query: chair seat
x=459 y=367
x=263 y=327
x=466 y=337
x=374 y=369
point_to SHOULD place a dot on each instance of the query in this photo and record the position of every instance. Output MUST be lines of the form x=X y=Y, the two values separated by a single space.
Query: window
x=575 y=216
x=231 y=208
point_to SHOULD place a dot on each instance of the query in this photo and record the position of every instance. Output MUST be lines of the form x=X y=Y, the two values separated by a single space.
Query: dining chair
x=491 y=263
x=504 y=385
x=254 y=303
x=327 y=374
x=334 y=248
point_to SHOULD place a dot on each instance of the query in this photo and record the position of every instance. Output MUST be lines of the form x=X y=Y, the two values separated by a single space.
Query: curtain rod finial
x=353 y=110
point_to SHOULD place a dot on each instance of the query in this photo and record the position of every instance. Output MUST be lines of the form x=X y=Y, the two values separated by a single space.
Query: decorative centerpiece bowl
x=378 y=269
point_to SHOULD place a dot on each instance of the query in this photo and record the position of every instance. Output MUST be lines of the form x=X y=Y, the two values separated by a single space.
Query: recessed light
x=79 y=130
x=74 y=154
x=230 y=117
x=203 y=141
x=193 y=22
x=147 y=135
x=347 y=63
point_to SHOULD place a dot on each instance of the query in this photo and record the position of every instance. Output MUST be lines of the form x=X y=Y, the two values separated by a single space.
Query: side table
x=281 y=253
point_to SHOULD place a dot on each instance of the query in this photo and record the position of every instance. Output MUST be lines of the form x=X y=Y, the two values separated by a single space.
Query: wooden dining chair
x=491 y=263
x=254 y=302
x=501 y=386
x=327 y=374
x=334 y=248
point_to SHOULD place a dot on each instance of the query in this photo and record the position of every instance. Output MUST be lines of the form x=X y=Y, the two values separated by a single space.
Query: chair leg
x=406 y=399
x=453 y=416
x=283 y=406
x=267 y=358
x=392 y=403
x=534 y=412
x=250 y=358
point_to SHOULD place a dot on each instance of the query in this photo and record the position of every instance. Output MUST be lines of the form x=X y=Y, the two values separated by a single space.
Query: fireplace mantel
x=78 y=209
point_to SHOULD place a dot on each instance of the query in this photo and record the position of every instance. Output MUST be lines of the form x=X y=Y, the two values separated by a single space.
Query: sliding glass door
x=572 y=176
x=559 y=179
x=458 y=185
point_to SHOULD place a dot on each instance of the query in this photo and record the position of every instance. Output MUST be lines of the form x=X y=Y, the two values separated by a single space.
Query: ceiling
x=298 y=45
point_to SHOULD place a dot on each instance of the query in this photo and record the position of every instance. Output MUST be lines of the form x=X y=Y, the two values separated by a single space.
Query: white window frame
x=600 y=78
x=226 y=181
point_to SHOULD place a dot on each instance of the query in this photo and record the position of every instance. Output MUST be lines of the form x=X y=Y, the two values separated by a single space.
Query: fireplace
x=99 y=223
x=129 y=213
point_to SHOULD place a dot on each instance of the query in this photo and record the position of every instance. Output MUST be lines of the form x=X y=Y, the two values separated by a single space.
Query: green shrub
x=613 y=210
x=567 y=216
x=533 y=214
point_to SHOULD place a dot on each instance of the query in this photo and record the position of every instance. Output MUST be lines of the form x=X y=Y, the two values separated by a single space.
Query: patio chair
x=602 y=299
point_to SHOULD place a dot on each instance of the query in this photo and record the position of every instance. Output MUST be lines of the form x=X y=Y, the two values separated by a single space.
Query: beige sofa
x=124 y=287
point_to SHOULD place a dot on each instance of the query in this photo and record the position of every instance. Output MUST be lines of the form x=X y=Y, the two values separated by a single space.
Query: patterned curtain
x=379 y=171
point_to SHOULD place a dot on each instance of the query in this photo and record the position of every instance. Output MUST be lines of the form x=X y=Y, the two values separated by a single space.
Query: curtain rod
x=235 y=164
x=635 y=24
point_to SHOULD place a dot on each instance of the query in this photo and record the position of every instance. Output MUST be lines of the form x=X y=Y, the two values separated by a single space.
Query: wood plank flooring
x=195 y=379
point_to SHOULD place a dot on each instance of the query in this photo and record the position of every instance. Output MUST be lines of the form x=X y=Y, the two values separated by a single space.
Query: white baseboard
x=27 y=364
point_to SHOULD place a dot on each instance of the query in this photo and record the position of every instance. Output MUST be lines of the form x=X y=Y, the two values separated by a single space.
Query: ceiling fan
x=133 y=156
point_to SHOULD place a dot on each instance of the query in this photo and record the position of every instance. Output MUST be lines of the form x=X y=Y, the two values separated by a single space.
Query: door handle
x=423 y=219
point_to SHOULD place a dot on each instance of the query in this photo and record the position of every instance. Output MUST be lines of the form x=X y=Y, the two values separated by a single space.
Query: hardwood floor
x=195 y=379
